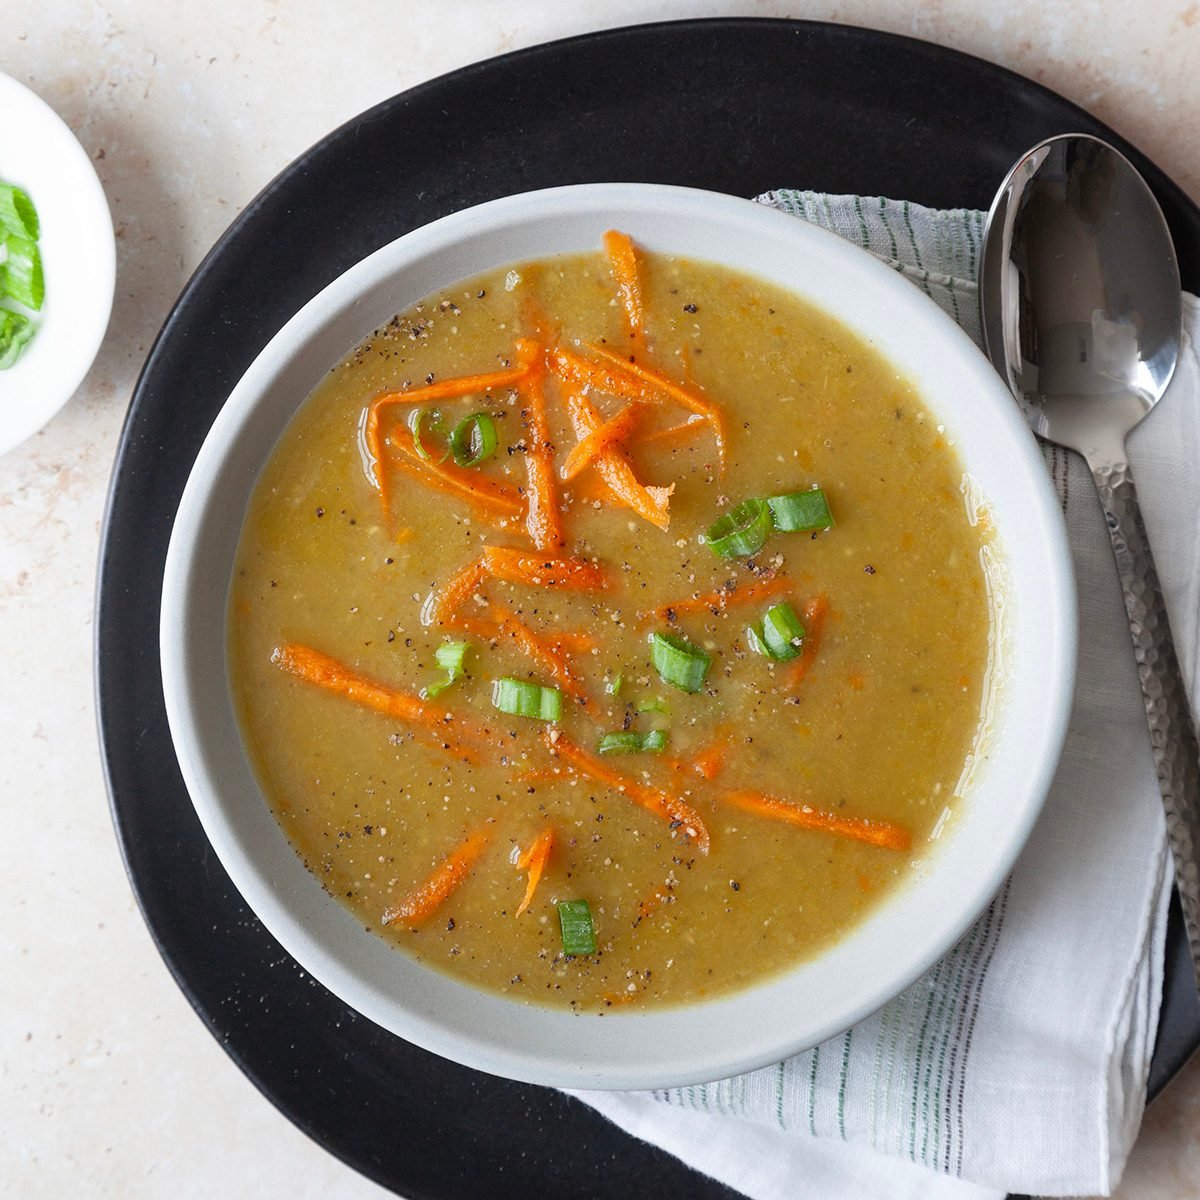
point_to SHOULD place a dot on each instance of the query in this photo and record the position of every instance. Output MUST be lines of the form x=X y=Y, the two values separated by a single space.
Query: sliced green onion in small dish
x=17 y=213
x=678 y=662
x=578 y=932
x=740 y=532
x=474 y=439
x=15 y=332
x=520 y=698
x=21 y=272
x=800 y=512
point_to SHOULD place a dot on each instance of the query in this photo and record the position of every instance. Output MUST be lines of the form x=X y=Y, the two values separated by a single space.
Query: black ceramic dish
x=739 y=106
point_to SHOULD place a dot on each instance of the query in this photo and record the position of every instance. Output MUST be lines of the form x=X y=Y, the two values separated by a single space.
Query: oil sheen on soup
x=611 y=629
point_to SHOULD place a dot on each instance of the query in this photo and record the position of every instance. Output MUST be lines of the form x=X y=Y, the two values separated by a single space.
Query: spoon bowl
x=1082 y=315
x=1080 y=292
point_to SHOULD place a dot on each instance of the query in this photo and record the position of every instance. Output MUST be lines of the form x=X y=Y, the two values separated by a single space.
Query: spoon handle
x=1172 y=729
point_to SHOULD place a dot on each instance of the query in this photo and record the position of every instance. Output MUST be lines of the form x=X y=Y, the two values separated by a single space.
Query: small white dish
x=40 y=155
x=953 y=881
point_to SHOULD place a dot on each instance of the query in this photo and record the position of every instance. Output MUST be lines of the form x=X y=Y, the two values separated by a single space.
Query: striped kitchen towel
x=1019 y=1062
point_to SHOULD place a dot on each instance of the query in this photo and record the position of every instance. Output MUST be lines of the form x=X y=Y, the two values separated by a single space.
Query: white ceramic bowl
x=893 y=946
x=39 y=154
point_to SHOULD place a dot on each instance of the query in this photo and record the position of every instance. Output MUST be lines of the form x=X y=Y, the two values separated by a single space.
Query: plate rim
x=1004 y=78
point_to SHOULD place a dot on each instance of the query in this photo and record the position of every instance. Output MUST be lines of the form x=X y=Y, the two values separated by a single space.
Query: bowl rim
x=653 y=1064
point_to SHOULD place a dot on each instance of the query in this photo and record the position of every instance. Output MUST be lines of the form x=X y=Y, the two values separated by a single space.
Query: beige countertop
x=109 y=1085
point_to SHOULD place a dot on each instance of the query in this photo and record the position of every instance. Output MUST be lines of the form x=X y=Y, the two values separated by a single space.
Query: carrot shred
x=622 y=258
x=860 y=829
x=520 y=566
x=534 y=860
x=425 y=899
x=314 y=667
x=815 y=612
x=445 y=389
x=709 y=762
x=650 y=503
x=543 y=517
x=612 y=432
x=502 y=623
x=721 y=599
x=571 y=367
x=670 y=808
x=450 y=389
x=671 y=432
x=458 y=590
x=437 y=727
x=493 y=497
x=690 y=400
x=652 y=903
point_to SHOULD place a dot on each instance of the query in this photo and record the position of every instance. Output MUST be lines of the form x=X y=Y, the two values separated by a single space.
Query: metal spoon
x=1080 y=303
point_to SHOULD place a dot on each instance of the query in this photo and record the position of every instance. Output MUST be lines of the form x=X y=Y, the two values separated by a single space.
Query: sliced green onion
x=17 y=214
x=613 y=687
x=578 y=933
x=628 y=741
x=783 y=632
x=781 y=637
x=800 y=512
x=657 y=705
x=416 y=419
x=741 y=531
x=451 y=657
x=474 y=439
x=21 y=274
x=523 y=699
x=15 y=332
x=679 y=663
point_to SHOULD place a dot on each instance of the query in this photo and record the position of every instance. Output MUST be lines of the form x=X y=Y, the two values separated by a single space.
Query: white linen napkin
x=1019 y=1062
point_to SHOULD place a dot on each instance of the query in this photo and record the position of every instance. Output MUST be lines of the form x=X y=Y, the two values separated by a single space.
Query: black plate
x=738 y=106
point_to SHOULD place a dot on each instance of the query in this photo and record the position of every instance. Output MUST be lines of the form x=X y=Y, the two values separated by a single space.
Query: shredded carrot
x=652 y=903
x=449 y=389
x=815 y=612
x=540 y=775
x=458 y=590
x=425 y=899
x=534 y=861
x=566 y=574
x=571 y=367
x=670 y=808
x=673 y=431
x=651 y=503
x=721 y=599
x=543 y=517
x=690 y=400
x=493 y=497
x=861 y=829
x=574 y=641
x=437 y=726
x=709 y=762
x=314 y=667
x=612 y=432
x=454 y=747
x=501 y=623
x=622 y=258
x=445 y=389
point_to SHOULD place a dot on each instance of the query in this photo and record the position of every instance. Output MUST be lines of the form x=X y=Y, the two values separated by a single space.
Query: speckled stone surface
x=109 y=1086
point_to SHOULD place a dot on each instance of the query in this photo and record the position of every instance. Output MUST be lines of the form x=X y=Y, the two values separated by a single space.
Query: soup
x=611 y=629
